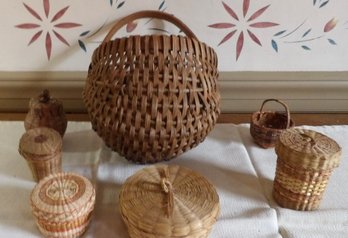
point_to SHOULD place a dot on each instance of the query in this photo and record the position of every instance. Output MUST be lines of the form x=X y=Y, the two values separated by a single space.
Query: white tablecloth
x=242 y=173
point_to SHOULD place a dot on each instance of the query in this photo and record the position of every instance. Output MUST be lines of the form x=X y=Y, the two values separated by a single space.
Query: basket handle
x=284 y=105
x=147 y=14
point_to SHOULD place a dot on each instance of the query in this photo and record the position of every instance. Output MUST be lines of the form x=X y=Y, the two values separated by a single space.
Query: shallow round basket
x=62 y=204
x=266 y=126
x=153 y=97
x=306 y=160
x=168 y=201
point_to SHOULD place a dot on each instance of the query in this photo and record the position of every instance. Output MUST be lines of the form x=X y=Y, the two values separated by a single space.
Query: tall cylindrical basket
x=42 y=149
x=305 y=162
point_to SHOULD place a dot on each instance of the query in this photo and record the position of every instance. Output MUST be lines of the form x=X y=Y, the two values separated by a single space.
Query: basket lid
x=44 y=100
x=301 y=145
x=169 y=201
x=40 y=141
x=62 y=196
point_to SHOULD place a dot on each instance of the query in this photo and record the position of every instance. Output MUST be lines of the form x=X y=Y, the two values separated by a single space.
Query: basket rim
x=255 y=121
x=202 y=43
x=79 y=203
x=325 y=155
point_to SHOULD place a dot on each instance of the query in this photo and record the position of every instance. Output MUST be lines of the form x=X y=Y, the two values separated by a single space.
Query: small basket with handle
x=266 y=126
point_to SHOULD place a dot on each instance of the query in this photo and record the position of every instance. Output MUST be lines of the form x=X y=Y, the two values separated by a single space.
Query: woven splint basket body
x=305 y=162
x=150 y=98
x=266 y=126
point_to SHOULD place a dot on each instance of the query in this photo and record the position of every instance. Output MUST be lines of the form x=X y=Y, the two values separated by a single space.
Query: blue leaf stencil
x=306 y=33
x=332 y=42
x=82 y=45
x=274 y=45
x=305 y=47
x=84 y=33
x=279 y=33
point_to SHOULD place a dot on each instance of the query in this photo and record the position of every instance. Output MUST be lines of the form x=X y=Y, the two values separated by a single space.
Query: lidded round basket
x=266 y=126
x=305 y=162
x=168 y=201
x=62 y=205
x=153 y=97
x=41 y=147
x=45 y=111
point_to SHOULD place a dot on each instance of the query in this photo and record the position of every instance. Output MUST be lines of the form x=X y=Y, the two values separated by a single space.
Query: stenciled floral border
x=234 y=28
x=86 y=37
x=280 y=37
x=55 y=25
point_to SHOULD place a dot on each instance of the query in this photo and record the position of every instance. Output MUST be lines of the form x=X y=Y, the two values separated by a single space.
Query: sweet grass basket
x=62 y=205
x=153 y=97
x=266 y=126
x=41 y=147
x=168 y=201
x=305 y=162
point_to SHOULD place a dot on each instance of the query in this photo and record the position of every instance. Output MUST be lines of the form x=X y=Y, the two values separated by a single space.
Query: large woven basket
x=266 y=126
x=305 y=162
x=168 y=201
x=153 y=97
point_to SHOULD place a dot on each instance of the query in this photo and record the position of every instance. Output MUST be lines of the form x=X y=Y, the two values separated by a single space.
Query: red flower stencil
x=47 y=25
x=242 y=25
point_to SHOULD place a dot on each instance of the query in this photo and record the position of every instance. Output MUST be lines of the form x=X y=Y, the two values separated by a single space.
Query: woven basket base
x=41 y=169
x=134 y=233
x=298 y=188
x=68 y=232
x=201 y=233
x=288 y=199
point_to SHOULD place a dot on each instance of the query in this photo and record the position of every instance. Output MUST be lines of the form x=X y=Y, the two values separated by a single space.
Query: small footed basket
x=153 y=97
x=266 y=126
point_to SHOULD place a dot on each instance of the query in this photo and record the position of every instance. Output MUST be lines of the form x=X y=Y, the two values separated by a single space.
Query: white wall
x=295 y=50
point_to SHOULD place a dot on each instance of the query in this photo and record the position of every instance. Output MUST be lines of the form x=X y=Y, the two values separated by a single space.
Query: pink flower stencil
x=51 y=29
x=237 y=28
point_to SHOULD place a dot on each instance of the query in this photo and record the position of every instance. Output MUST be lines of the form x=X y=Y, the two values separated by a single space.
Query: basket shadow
x=266 y=183
x=107 y=220
x=81 y=141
